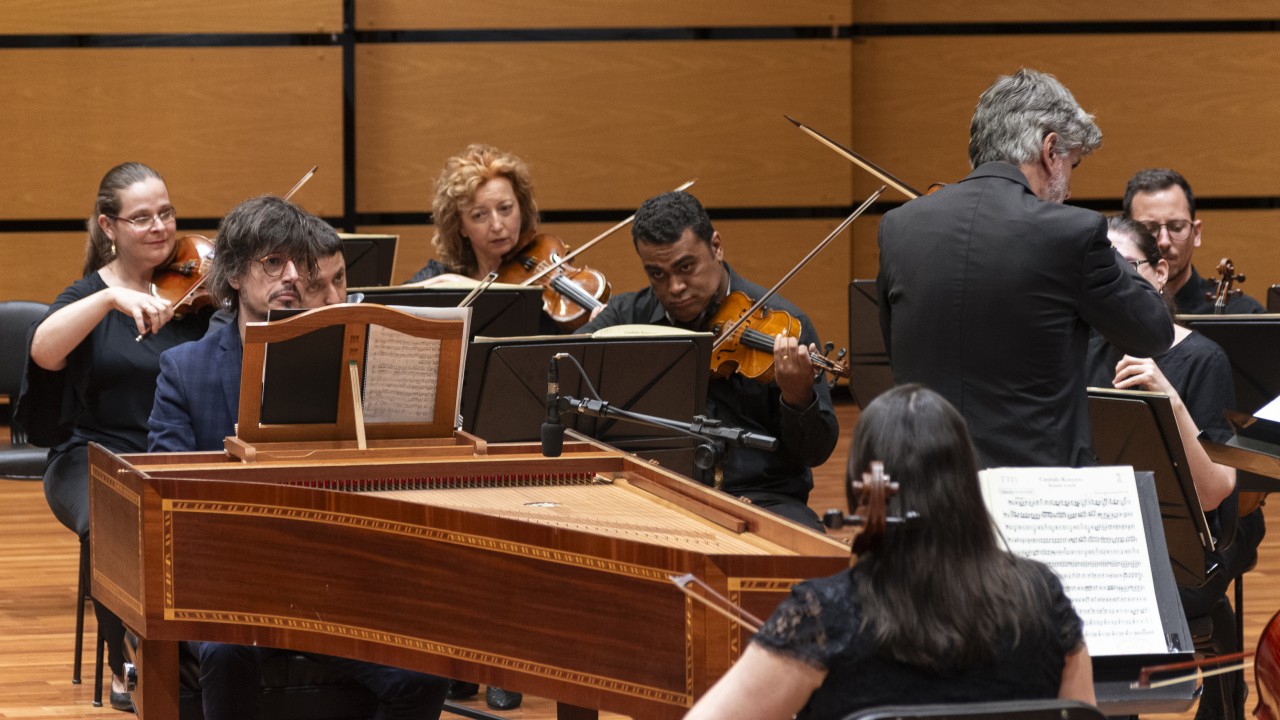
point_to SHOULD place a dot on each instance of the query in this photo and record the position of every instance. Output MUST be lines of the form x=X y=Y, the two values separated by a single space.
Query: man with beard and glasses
x=988 y=287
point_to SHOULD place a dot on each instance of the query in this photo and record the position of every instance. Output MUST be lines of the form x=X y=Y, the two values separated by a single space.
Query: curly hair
x=456 y=189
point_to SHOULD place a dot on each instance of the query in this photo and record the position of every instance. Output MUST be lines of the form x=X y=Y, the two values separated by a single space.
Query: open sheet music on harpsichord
x=401 y=371
x=1087 y=525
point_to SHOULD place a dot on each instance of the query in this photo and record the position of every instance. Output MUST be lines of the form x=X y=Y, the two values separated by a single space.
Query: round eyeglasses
x=1177 y=229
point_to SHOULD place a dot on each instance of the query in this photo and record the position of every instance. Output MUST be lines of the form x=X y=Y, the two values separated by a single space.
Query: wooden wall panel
x=760 y=250
x=37 y=266
x=59 y=17
x=983 y=11
x=221 y=124
x=1203 y=104
x=414 y=14
x=606 y=125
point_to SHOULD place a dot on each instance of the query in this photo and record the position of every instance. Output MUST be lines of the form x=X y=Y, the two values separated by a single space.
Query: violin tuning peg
x=828 y=347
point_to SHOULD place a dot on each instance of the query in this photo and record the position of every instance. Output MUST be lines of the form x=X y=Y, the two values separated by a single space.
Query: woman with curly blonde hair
x=484 y=212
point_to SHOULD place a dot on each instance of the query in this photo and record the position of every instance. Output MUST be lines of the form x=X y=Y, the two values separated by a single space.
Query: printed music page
x=1087 y=525
x=401 y=371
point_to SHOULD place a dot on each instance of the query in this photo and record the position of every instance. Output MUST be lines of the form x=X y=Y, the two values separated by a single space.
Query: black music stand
x=499 y=311
x=370 y=259
x=1138 y=429
x=1252 y=344
x=1273 y=299
x=505 y=388
x=869 y=370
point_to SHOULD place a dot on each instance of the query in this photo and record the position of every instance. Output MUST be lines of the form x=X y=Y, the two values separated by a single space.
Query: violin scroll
x=871 y=513
x=1227 y=278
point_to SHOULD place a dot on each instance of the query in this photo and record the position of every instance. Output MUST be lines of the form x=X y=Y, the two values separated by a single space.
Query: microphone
x=553 y=429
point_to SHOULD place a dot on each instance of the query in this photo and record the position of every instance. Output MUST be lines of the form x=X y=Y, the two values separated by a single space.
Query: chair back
x=16 y=317
x=996 y=710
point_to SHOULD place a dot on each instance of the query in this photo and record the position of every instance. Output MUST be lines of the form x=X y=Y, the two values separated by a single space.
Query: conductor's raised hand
x=793 y=370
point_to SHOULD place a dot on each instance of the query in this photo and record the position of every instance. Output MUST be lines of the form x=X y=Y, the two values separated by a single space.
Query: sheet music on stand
x=324 y=370
x=1099 y=529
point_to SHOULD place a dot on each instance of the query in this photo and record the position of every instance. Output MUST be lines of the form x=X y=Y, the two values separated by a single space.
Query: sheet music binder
x=500 y=311
x=370 y=259
x=1138 y=429
x=1112 y=674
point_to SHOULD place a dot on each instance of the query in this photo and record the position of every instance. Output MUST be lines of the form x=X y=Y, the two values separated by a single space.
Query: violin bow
x=883 y=175
x=298 y=185
x=1238 y=661
x=717 y=602
x=569 y=256
x=724 y=336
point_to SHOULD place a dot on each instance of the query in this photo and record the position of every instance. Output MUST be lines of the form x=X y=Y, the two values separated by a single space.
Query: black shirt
x=111 y=376
x=820 y=624
x=1194 y=298
x=806 y=436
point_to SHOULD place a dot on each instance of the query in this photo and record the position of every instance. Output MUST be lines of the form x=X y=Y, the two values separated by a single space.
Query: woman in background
x=95 y=356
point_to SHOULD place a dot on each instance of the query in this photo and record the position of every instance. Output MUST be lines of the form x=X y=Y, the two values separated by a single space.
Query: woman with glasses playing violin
x=1197 y=377
x=95 y=356
x=933 y=611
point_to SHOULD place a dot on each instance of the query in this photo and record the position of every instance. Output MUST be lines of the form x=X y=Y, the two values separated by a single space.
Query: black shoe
x=459 y=690
x=499 y=699
x=123 y=701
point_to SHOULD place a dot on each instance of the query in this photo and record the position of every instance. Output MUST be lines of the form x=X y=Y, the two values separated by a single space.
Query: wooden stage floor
x=38 y=583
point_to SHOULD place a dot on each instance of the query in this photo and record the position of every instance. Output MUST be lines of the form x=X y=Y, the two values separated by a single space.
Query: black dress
x=819 y=624
x=106 y=391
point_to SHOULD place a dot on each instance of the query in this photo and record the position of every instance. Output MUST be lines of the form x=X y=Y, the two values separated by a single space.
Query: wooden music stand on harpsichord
x=478 y=561
x=366 y=370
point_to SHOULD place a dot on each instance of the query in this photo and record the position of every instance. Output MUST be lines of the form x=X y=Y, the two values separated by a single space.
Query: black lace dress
x=819 y=624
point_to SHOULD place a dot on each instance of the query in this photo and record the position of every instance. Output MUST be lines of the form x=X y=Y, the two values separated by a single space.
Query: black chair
x=17 y=458
x=83 y=594
x=997 y=710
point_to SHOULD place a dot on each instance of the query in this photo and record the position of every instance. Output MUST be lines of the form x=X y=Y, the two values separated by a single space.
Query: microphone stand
x=712 y=433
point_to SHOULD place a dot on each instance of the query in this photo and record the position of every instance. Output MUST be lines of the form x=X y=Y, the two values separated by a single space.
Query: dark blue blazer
x=197 y=394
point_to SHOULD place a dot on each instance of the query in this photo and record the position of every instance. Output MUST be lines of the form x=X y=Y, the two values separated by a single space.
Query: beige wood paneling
x=606 y=125
x=37 y=266
x=414 y=14
x=1203 y=104
x=57 y=17
x=760 y=250
x=221 y=124
x=981 y=11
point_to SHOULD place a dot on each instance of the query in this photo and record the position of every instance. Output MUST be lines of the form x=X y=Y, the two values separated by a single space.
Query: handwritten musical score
x=1087 y=525
x=400 y=376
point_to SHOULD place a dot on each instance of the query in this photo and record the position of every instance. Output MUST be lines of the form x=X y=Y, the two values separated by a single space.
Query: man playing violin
x=683 y=257
x=269 y=254
x=1161 y=200
x=989 y=286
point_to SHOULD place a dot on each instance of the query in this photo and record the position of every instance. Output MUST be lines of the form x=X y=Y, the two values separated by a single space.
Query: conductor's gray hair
x=1016 y=113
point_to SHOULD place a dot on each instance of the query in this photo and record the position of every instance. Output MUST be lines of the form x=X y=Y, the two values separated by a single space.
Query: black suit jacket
x=987 y=294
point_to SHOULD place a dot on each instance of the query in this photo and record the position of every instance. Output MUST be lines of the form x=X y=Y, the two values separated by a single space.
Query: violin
x=181 y=280
x=870 y=498
x=569 y=293
x=548 y=265
x=750 y=350
x=1227 y=278
x=733 y=350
